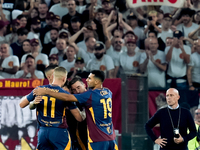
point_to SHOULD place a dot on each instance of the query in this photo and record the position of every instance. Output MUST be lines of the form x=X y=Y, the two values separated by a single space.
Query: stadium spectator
x=16 y=47
x=9 y=64
x=88 y=54
x=3 y=26
x=68 y=64
x=53 y=59
x=194 y=68
x=54 y=36
x=40 y=58
x=166 y=31
x=64 y=34
x=12 y=37
x=114 y=52
x=129 y=61
x=79 y=69
x=101 y=61
x=60 y=49
x=29 y=70
x=26 y=46
x=22 y=20
x=169 y=41
x=195 y=34
x=56 y=23
x=66 y=20
x=186 y=25
x=178 y=57
x=43 y=11
x=153 y=63
x=107 y=6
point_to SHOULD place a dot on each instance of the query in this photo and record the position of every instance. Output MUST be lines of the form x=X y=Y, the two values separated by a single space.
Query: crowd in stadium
x=161 y=42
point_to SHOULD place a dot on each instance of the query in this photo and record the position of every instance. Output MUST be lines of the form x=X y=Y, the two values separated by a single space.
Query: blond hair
x=152 y=12
x=60 y=72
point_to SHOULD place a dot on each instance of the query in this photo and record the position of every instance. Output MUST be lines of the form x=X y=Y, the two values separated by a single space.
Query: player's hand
x=39 y=91
x=37 y=100
x=162 y=142
x=178 y=140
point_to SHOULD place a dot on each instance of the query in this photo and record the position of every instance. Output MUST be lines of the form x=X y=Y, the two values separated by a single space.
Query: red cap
x=34 y=41
x=3 y=23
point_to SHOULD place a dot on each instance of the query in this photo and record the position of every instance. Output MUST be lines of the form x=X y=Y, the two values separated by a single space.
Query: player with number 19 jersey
x=50 y=111
x=98 y=107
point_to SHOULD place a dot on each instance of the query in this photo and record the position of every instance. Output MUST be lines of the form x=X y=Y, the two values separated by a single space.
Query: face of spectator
x=129 y=36
x=167 y=22
x=78 y=87
x=118 y=44
x=61 y=44
x=70 y=53
x=21 y=38
x=4 y=29
x=63 y=2
x=106 y=6
x=53 y=62
x=151 y=35
x=186 y=19
x=79 y=65
x=71 y=5
x=30 y=62
x=76 y=25
x=130 y=47
x=48 y=21
x=42 y=9
x=132 y=22
x=35 y=47
x=53 y=35
x=94 y=27
x=34 y=13
x=26 y=47
x=100 y=16
x=197 y=115
x=99 y=53
x=36 y=27
x=23 y=22
x=15 y=27
x=118 y=34
x=169 y=42
x=172 y=97
x=154 y=16
x=56 y=23
x=197 y=16
x=4 y=50
x=90 y=43
x=93 y=1
x=88 y=33
x=153 y=44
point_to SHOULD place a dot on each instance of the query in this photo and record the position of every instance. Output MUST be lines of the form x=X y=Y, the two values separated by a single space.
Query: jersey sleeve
x=30 y=97
x=72 y=105
x=83 y=97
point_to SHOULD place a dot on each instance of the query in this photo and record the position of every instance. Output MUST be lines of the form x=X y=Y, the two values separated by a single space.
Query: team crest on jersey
x=102 y=68
x=181 y=56
x=10 y=64
x=108 y=129
x=158 y=61
x=103 y=93
x=135 y=64
x=39 y=62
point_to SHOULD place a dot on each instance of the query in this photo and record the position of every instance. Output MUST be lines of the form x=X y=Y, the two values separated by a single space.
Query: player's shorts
x=50 y=138
x=104 y=145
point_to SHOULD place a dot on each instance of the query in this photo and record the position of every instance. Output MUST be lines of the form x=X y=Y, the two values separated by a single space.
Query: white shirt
x=58 y=10
x=40 y=59
x=156 y=77
x=38 y=74
x=85 y=55
x=177 y=67
x=67 y=65
x=9 y=63
x=164 y=34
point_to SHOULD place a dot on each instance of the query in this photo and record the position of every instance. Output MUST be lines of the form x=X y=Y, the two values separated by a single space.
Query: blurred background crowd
x=161 y=42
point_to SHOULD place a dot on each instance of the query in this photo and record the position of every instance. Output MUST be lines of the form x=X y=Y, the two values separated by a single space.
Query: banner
x=138 y=3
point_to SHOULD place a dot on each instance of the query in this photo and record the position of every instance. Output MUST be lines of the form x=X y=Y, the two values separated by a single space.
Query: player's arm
x=79 y=115
x=24 y=102
x=36 y=101
x=57 y=95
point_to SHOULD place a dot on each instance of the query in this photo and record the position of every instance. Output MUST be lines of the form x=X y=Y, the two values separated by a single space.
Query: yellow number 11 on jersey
x=53 y=101
x=107 y=107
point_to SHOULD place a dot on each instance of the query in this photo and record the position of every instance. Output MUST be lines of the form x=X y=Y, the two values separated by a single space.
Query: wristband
x=3 y=69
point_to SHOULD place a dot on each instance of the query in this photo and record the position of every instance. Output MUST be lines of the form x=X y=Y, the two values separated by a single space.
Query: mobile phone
x=150 y=18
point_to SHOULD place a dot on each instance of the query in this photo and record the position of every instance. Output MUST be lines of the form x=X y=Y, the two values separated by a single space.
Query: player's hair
x=74 y=80
x=66 y=84
x=60 y=72
x=99 y=74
